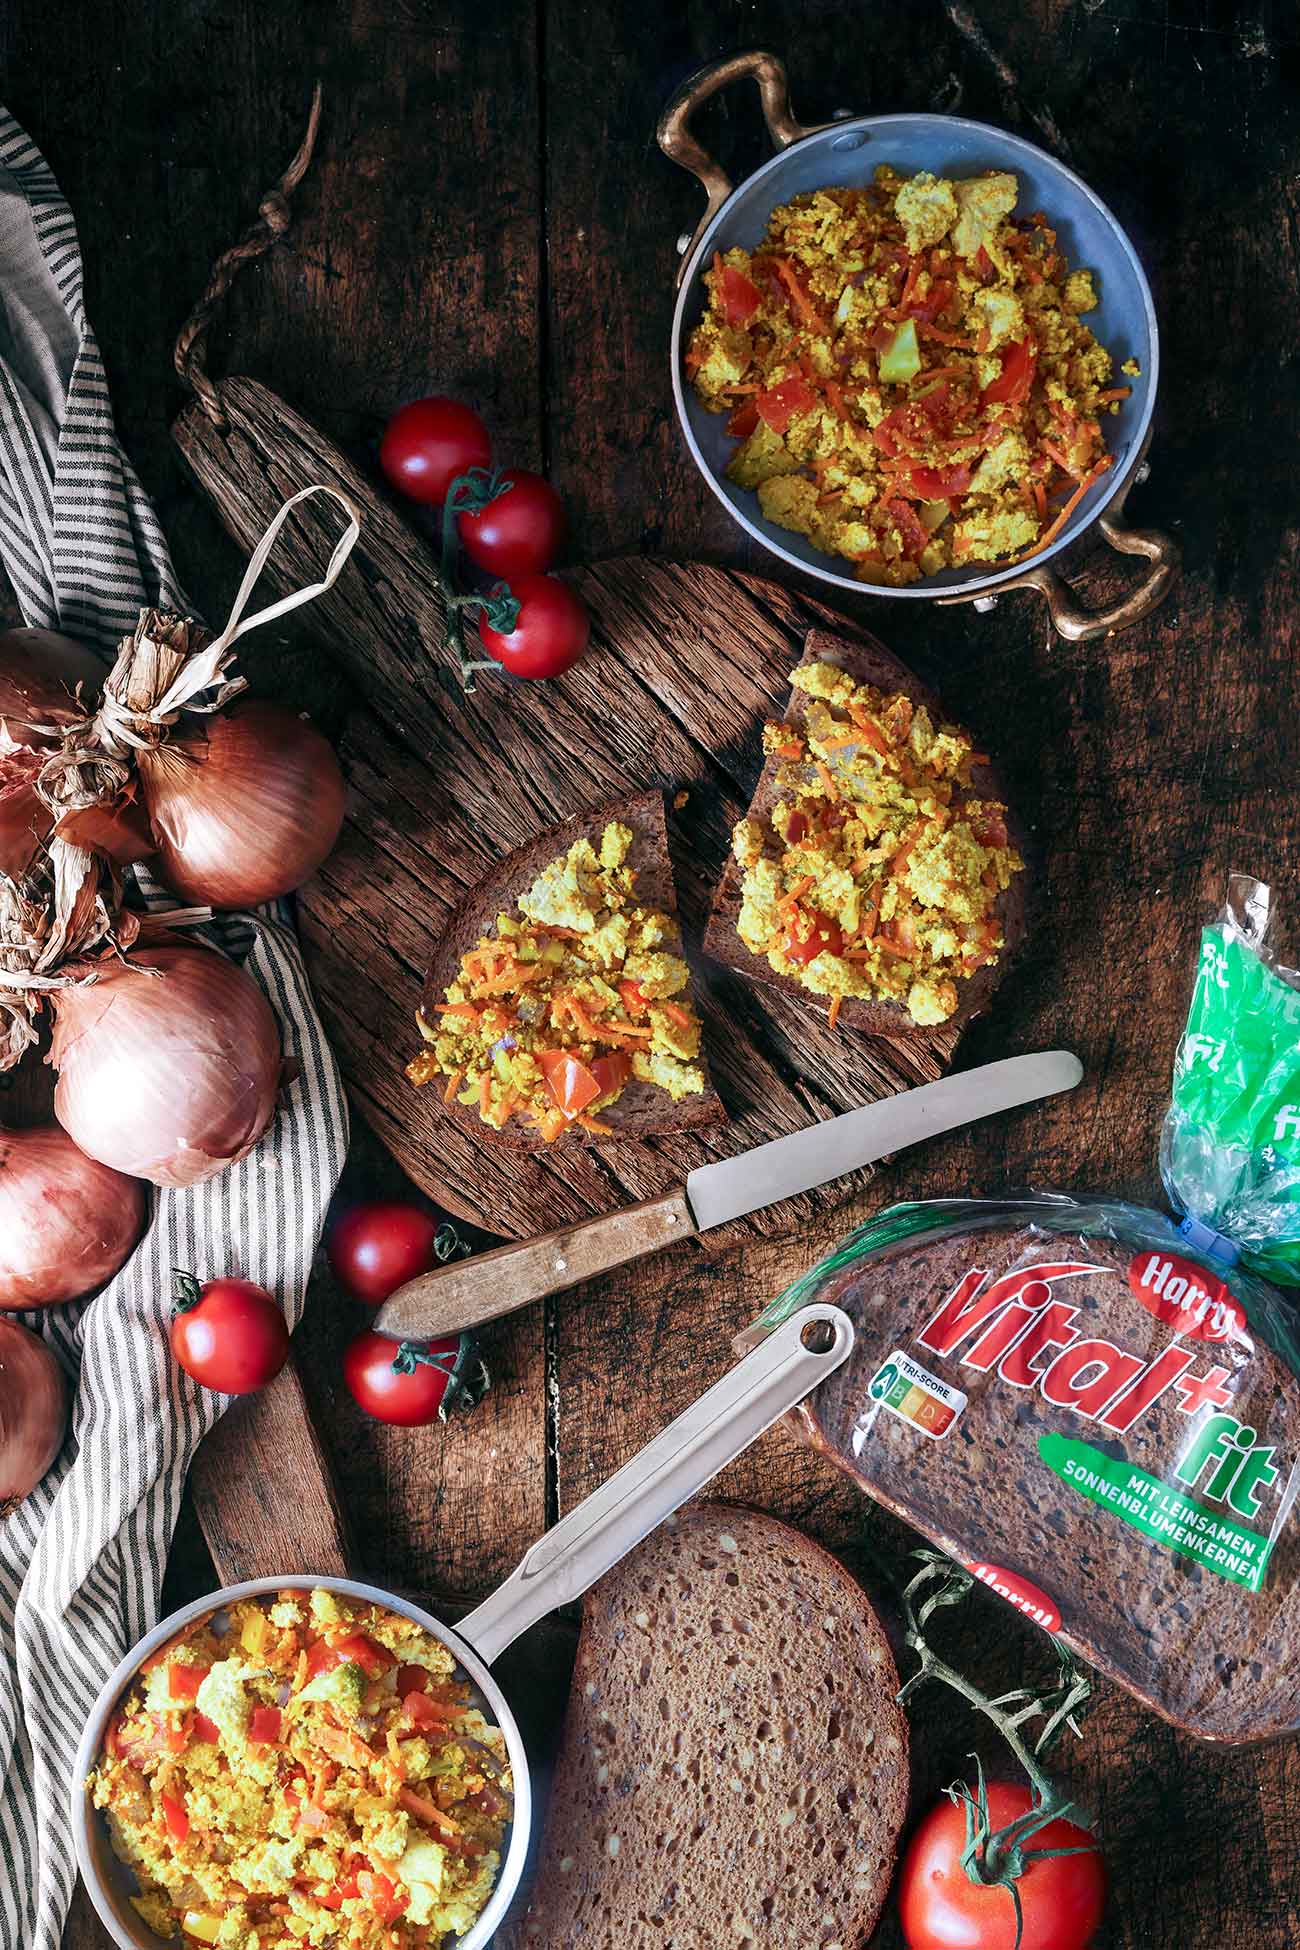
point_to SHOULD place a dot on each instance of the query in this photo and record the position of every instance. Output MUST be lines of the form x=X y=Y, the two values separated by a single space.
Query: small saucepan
x=587 y=1543
x=844 y=153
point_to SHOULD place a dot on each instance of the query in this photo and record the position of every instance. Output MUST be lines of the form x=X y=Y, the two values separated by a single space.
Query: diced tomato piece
x=780 y=403
x=796 y=827
x=570 y=1082
x=888 y=434
x=939 y=483
x=422 y=1711
x=982 y=264
x=206 y=1729
x=991 y=828
x=743 y=419
x=174 y=1814
x=176 y=1738
x=912 y=531
x=1019 y=363
x=633 y=998
x=738 y=297
x=412 y=1679
x=183 y=1682
x=387 y=1899
x=321 y=1657
x=810 y=935
x=367 y=1653
x=264 y=1726
x=612 y=1072
x=333 y=1896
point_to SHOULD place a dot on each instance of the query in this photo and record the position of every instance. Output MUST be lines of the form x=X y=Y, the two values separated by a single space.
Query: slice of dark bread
x=1219 y=1660
x=733 y=1769
x=869 y=663
x=643 y=1110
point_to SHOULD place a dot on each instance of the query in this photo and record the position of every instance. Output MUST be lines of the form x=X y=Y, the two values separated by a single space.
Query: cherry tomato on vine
x=1063 y=1897
x=228 y=1334
x=377 y=1247
x=520 y=531
x=428 y=443
x=411 y=1383
x=551 y=633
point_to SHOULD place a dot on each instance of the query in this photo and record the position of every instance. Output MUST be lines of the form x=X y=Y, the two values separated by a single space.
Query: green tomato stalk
x=998 y=1856
x=469 y=494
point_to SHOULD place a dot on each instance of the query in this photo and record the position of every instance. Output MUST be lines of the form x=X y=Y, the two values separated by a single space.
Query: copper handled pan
x=592 y=1538
x=846 y=152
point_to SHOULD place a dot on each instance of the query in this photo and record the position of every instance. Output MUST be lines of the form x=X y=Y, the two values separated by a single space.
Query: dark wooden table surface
x=489 y=215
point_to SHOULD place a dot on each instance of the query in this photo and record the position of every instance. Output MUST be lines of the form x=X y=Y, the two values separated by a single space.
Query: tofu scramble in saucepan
x=909 y=374
x=878 y=871
x=305 y=1769
x=577 y=993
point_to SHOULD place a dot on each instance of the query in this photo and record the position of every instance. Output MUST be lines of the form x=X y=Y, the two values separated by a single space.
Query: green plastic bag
x=1230 y=1149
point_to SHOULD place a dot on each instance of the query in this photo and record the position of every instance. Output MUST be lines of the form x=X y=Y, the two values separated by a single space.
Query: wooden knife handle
x=470 y=1291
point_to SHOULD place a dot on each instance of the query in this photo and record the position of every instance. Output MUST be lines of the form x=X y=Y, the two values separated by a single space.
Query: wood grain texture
x=458 y=233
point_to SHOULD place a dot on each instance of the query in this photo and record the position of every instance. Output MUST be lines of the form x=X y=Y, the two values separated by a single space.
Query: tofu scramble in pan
x=908 y=372
x=577 y=993
x=305 y=1769
x=878 y=871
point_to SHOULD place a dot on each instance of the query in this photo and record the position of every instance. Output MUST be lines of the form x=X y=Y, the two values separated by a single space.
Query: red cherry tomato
x=377 y=1247
x=942 y=1909
x=406 y=1383
x=520 y=532
x=428 y=443
x=810 y=935
x=551 y=632
x=229 y=1334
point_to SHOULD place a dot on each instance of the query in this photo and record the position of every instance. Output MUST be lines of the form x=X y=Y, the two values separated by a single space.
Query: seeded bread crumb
x=733 y=1769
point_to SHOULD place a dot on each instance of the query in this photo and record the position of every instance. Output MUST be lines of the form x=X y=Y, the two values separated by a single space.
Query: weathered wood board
x=687 y=662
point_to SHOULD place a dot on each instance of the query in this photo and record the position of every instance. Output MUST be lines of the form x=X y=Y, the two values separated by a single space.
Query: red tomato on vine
x=519 y=531
x=378 y=1246
x=228 y=1334
x=412 y=1383
x=428 y=443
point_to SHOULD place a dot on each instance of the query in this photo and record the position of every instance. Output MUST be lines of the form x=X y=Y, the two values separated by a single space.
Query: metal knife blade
x=796 y=1163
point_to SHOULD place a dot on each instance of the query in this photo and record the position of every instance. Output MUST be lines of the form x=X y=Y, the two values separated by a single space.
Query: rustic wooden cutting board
x=687 y=661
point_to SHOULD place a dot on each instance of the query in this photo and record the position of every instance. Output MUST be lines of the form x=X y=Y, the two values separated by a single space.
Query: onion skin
x=169 y=1076
x=39 y=673
x=66 y=1222
x=248 y=814
x=33 y=1413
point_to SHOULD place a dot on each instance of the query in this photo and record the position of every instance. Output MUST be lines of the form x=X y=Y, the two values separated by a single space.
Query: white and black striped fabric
x=81 y=1561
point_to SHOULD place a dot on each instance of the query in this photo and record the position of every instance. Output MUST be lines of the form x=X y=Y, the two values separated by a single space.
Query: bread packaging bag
x=1096 y=1407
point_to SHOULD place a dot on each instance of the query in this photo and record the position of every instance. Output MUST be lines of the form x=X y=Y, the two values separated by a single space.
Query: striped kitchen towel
x=81 y=1561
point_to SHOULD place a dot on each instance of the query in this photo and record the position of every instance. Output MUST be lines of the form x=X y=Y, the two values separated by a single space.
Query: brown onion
x=169 y=1076
x=66 y=1221
x=247 y=813
x=33 y=1412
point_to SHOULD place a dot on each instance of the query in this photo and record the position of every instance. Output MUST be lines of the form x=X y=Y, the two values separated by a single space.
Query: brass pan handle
x=680 y=146
x=1069 y=618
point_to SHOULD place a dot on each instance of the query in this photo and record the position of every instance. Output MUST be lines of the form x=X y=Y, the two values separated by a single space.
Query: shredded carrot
x=677 y=1014
x=1114 y=392
x=910 y=282
x=824 y=774
x=942 y=337
x=946 y=372
x=833 y=1013
x=485 y=1093
x=594 y=1124
x=797 y=892
x=730 y=390
x=458 y=1009
x=840 y=741
x=717 y=264
x=835 y=394
x=1040 y=500
x=1089 y=480
x=427 y=1811
x=888 y=947
x=904 y=852
x=1054 y=453
x=794 y=749
x=786 y=274
x=453 y=1085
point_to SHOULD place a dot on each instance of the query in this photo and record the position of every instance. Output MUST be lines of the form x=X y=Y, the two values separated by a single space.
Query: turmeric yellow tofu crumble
x=305 y=1769
x=877 y=872
x=577 y=993
x=909 y=375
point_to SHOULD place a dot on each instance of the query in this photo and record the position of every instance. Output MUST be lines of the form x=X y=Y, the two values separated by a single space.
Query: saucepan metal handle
x=677 y=142
x=779 y=1372
x=1069 y=617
